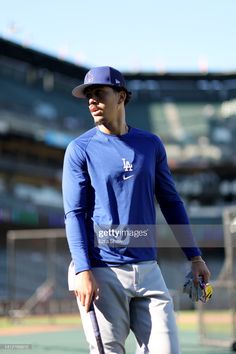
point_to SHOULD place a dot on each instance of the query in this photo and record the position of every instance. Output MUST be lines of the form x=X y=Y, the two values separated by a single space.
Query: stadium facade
x=195 y=115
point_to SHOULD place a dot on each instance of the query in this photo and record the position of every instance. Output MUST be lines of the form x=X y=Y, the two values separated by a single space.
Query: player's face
x=103 y=104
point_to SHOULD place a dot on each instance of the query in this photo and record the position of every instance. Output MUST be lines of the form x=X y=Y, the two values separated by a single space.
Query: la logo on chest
x=127 y=165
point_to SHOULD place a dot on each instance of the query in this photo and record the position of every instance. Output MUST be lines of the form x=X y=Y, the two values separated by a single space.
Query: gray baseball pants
x=133 y=296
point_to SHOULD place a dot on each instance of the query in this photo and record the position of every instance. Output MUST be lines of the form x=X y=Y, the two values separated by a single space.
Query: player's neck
x=117 y=127
x=113 y=131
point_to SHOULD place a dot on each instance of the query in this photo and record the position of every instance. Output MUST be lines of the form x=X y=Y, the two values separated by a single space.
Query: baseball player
x=112 y=176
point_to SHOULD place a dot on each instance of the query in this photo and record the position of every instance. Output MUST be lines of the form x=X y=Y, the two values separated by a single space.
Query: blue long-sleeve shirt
x=110 y=183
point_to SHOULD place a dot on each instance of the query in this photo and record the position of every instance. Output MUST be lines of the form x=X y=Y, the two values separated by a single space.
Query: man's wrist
x=197 y=259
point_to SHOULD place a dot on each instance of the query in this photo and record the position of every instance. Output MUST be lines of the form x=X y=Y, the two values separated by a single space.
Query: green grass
x=72 y=340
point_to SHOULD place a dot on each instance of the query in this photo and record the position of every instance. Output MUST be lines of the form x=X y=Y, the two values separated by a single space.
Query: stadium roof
x=40 y=59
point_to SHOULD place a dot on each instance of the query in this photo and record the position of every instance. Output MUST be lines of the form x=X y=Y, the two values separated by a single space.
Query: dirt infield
x=60 y=334
x=40 y=324
x=12 y=331
x=210 y=317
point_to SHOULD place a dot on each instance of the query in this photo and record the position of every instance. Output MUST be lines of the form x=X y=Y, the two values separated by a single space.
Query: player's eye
x=96 y=94
x=88 y=95
x=99 y=94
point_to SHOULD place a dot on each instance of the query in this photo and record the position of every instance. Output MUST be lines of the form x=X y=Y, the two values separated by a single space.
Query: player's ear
x=122 y=96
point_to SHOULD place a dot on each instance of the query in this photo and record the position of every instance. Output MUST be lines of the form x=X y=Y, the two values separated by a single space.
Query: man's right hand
x=86 y=288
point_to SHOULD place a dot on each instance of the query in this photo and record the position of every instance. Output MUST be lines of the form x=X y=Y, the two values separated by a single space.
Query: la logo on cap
x=89 y=77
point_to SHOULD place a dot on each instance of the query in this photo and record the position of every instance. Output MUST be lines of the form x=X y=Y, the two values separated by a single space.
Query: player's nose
x=92 y=100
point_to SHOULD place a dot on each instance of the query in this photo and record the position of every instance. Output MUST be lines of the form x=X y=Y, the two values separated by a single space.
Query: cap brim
x=78 y=91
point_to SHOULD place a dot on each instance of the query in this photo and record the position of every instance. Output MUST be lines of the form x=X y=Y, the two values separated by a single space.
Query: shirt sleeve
x=75 y=181
x=172 y=206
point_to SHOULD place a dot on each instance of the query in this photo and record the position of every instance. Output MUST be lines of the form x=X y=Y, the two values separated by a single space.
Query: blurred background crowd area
x=193 y=113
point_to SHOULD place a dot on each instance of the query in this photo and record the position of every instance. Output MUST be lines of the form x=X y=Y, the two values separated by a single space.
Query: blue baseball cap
x=101 y=75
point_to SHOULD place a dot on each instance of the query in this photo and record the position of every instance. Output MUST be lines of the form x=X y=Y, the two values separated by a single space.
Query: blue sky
x=131 y=35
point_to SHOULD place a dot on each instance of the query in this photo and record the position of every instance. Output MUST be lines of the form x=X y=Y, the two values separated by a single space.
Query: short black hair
x=128 y=93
